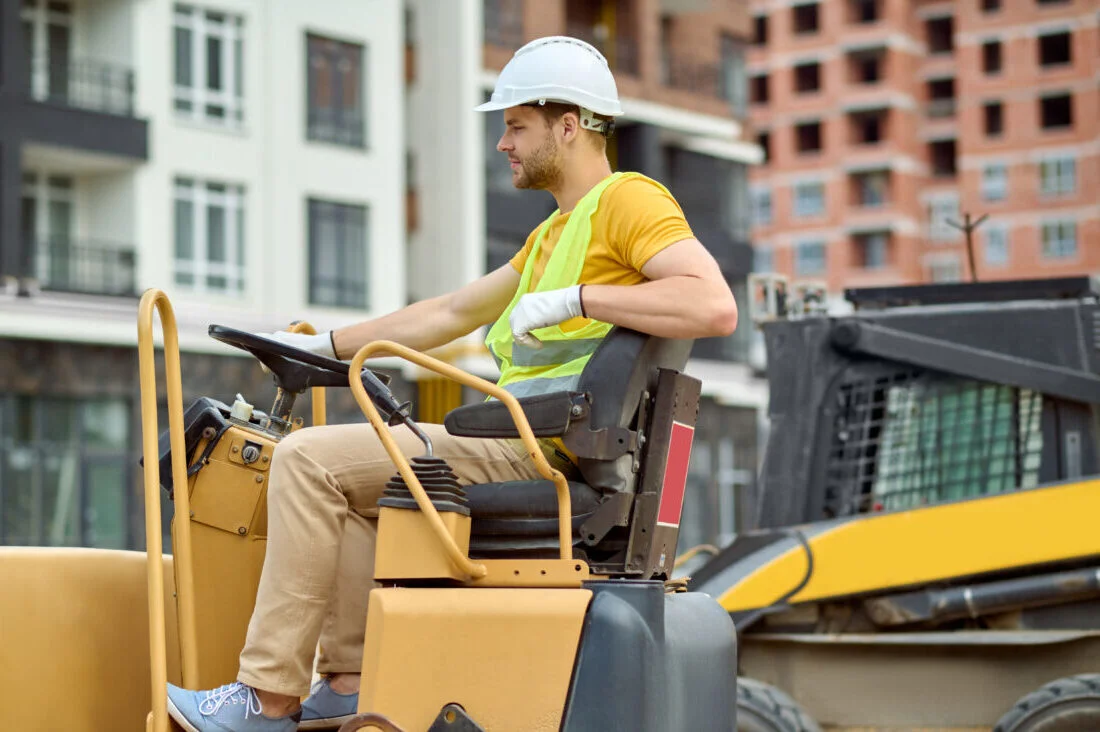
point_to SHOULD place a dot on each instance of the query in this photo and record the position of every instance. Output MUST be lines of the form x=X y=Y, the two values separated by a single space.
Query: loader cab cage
x=930 y=394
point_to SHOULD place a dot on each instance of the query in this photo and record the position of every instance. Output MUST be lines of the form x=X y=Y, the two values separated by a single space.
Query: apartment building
x=885 y=120
x=680 y=70
x=242 y=155
x=266 y=160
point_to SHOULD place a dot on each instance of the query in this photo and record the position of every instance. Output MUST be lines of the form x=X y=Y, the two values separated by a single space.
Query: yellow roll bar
x=460 y=560
x=153 y=299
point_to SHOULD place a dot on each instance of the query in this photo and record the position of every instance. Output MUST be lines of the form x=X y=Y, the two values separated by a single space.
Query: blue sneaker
x=230 y=708
x=327 y=709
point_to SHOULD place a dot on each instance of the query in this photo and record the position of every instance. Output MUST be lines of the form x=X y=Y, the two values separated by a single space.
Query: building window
x=1058 y=176
x=996 y=246
x=47 y=34
x=338 y=261
x=763 y=259
x=864 y=11
x=734 y=74
x=994 y=182
x=209 y=78
x=1055 y=49
x=993 y=113
x=940 y=212
x=872 y=188
x=809 y=258
x=867 y=127
x=808 y=137
x=806 y=18
x=1059 y=239
x=872 y=250
x=865 y=67
x=809 y=199
x=334 y=90
x=941 y=95
x=502 y=23
x=807 y=77
x=66 y=471
x=939 y=34
x=945 y=269
x=942 y=153
x=761 y=207
x=990 y=6
x=760 y=30
x=760 y=89
x=991 y=57
x=210 y=241
x=1056 y=111
x=764 y=140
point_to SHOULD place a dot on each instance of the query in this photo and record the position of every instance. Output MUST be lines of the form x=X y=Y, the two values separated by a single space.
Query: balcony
x=707 y=79
x=87 y=267
x=621 y=52
x=503 y=23
x=83 y=84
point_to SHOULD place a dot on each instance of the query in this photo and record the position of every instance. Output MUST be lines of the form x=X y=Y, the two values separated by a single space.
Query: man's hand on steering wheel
x=320 y=344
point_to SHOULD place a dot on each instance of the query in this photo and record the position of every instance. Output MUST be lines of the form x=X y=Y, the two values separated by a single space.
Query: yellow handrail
x=317 y=394
x=156 y=299
x=565 y=508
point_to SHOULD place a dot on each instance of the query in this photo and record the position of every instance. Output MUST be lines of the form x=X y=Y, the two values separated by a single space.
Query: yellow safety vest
x=556 y=366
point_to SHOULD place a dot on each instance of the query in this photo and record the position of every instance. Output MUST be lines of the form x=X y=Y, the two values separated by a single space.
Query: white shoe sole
x=179 y=719
x=330 y=723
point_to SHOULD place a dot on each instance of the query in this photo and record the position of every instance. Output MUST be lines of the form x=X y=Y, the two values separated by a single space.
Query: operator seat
x=613 y=423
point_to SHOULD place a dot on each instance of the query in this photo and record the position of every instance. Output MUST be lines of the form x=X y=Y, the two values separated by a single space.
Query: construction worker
x=618 y=251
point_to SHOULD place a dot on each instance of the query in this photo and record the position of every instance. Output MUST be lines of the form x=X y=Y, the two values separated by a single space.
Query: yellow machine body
x=876 y=552
x=505 y=655
x=228 y=543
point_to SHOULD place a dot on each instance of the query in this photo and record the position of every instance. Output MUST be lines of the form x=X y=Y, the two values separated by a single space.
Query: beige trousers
x=322 y=504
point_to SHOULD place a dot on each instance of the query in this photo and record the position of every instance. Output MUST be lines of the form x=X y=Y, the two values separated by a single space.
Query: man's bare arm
x=437 y=321
x=687 y=297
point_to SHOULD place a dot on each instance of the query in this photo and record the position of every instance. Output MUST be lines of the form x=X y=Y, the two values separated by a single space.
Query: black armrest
x=548 y=415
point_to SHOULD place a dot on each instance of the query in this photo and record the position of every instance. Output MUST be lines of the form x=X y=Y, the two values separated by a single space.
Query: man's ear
x=570 y=126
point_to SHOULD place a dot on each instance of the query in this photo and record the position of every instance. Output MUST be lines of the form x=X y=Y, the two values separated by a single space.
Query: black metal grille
x=915 y=438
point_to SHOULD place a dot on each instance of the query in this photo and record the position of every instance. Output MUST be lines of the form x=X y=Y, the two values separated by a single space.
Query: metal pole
x=968 y=228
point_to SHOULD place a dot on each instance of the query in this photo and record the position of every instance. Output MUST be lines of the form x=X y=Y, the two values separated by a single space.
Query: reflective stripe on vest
x=558 y=364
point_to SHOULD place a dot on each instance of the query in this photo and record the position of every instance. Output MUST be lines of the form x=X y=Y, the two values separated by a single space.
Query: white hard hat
x=558 y=69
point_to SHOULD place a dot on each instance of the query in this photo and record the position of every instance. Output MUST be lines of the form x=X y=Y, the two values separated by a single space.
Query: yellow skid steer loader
x=535 y=605
x=923 y=552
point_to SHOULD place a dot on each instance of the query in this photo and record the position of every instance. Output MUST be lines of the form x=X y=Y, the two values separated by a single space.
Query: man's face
x=532 y=149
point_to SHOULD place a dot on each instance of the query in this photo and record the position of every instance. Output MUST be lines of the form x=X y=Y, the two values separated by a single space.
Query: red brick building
x=884 y=119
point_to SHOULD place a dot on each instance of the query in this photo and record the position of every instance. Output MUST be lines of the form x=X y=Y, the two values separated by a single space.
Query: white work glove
x=320 y=344
x=540 y=309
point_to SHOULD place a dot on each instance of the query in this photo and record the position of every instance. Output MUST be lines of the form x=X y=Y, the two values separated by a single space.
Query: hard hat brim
x=491 y=106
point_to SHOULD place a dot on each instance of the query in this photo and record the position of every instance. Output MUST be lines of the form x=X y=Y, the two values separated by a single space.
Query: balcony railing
x=699 y=77
x=61 y=264
x=83 y=83
x=621 y=52
x=941 y=108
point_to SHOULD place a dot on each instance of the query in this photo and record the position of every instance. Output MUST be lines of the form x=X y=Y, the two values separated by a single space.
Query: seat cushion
x=525 y=508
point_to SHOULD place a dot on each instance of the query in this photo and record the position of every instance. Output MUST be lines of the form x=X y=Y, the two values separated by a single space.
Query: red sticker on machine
x=676 y=472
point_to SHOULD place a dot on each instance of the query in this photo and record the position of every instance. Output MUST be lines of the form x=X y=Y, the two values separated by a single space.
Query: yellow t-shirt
x=635 y=220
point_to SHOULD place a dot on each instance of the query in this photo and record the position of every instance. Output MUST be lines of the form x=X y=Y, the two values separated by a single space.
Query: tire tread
x=1082 y=685
x=766 y=699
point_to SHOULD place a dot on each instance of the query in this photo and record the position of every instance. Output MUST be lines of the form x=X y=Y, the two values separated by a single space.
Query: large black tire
x=1071 y=704
x=764 y=708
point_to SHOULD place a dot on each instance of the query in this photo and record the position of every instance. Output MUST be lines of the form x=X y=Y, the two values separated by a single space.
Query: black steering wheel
x=296 y=370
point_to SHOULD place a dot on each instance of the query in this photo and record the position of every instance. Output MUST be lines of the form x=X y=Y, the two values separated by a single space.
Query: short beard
x=541 y=169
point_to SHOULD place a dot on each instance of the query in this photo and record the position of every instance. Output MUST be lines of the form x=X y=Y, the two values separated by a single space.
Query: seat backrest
x=620 y=372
